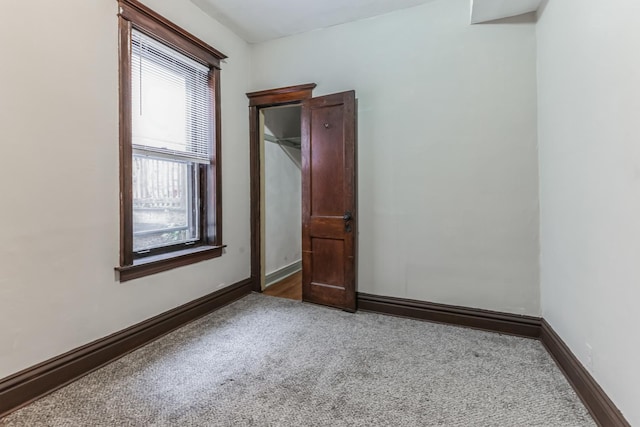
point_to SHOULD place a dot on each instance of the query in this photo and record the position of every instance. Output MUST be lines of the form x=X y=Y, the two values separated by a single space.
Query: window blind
x=171 y=102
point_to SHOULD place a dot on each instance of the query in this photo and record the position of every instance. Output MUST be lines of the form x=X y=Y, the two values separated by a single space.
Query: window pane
x=159 y=110
x=165 y=203
x=170 y=101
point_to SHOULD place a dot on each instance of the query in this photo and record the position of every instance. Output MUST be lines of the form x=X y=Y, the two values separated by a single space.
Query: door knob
x=347 y=216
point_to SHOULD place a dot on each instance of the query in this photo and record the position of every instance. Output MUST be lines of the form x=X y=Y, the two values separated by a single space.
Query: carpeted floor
x=265 y=361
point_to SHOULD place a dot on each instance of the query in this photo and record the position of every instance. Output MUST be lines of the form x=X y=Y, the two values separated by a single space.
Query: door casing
x=290 y=95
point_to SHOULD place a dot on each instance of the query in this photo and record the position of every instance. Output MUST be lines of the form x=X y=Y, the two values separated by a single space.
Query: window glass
x=165 y=203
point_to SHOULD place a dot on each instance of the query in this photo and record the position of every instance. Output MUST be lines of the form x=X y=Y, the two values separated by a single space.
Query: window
x=169 y=145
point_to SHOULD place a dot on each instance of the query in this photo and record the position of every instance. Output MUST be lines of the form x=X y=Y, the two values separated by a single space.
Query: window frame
x=133 y=14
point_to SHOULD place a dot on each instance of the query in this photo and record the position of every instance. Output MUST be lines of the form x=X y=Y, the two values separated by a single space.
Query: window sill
x=158 y=263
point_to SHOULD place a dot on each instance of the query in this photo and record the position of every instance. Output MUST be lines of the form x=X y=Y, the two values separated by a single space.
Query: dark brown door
x=329 y=201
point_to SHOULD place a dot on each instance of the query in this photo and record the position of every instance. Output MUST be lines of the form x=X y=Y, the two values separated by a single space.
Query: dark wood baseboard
x=30 y=384
x=602 y=409
x=512 y=324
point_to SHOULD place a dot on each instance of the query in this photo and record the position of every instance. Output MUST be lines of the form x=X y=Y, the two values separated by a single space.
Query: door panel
x=329 y=201
x=327 y=256
x=327 y=158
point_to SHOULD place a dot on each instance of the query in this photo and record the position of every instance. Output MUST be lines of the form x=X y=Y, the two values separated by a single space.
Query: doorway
x=329 y=191
x=282 y=205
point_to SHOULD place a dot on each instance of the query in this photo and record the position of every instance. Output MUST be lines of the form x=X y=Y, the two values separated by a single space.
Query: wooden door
x=329 y=201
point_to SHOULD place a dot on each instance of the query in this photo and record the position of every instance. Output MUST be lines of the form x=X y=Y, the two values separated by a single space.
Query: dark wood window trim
x=158 y=263
x=149 y=21
x=133 y=14
x=290 y=95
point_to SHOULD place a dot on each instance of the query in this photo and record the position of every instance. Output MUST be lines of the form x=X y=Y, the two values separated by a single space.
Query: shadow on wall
x=527 y=18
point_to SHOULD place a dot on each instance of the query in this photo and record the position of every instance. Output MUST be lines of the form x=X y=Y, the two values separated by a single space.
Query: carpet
x=265 y=361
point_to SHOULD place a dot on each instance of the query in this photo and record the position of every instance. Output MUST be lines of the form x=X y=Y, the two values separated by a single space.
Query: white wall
x=59 y=220
x=589 y=128
x=448 y=185
x=283 y=209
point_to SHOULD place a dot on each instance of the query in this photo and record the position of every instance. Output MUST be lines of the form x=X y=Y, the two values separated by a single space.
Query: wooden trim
x=257 y=101
x=505 y=323
x=602 y=409
x=33 y=383
x=126 y=185
x=156 y=264
x=216 y=188
x=599 y=405
x=255 y=210
x=149 y=21
x=281 y=96
x=30 y=384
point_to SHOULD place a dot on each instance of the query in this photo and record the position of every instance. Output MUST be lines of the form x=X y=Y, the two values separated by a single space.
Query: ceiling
x=261 y=20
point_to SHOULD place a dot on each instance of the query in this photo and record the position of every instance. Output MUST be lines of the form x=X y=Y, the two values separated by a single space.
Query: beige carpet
x=264 y=361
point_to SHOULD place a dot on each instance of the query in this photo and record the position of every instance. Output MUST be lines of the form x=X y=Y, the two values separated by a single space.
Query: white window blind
x=171 y=103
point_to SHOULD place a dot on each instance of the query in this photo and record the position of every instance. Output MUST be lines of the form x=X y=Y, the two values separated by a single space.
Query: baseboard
x=603 y=410
x=505 y=323
x=30 y=384
x=282 y=273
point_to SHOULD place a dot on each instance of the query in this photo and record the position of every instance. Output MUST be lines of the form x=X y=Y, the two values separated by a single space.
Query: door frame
x=290 y=95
